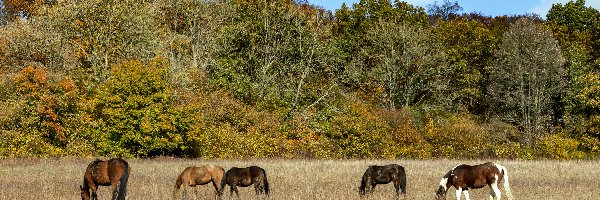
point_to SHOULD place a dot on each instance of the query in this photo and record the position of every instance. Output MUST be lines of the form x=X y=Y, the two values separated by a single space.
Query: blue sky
x=486 y=7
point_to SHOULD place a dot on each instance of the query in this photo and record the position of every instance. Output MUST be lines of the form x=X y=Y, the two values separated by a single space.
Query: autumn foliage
x=286 y=79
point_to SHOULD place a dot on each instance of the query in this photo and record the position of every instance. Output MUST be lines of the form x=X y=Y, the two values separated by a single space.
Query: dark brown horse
x=465 y=177
x=383 y=175
x=192 y=176
x=113 y=172
x=245 y=177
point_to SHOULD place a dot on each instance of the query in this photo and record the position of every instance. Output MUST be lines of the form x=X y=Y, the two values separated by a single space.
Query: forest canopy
x=287 y=79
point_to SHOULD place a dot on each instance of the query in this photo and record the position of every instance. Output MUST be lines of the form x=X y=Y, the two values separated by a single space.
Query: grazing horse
x=245 y=177
x=465 y=177
x=192 y=176
x=113 y=172
x=383 y=175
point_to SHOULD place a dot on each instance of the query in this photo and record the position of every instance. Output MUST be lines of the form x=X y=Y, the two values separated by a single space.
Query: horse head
x=443 y=187
x=440 y=194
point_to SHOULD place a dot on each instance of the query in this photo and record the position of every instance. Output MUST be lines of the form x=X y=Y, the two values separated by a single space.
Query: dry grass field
x=297 y=179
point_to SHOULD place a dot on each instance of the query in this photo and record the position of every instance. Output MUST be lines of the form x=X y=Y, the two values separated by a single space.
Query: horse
x=113 y=172
x=383 y=175
x=193 y=176
x=465 y=177
x=245 y=177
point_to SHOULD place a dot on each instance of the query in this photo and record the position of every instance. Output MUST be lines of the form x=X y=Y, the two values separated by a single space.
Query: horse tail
x=403 y=182
x=266 y=182
x=223 y=183
x=123 y=183
x=506 y=183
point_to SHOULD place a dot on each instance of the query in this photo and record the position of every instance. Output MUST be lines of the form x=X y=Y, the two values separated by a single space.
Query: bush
x=136 y=114
x=558 y=146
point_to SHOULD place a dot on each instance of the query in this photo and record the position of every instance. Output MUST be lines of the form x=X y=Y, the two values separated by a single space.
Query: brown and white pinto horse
x=465 y=177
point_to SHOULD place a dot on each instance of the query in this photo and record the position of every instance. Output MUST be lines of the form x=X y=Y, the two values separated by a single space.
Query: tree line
x=284 y=78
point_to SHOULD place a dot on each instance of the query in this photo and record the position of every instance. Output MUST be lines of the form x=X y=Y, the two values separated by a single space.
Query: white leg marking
x=458 y=191
x=466 y=192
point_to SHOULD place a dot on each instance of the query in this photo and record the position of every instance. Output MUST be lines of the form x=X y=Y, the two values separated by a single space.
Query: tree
x=13 y=9
x=526 y=77
x=105 y=32
x=404 y=60
x=444 y=11
x=469 y=47
x=577 y=28
x=136 y=113
x=276 y=55
x=193 y=40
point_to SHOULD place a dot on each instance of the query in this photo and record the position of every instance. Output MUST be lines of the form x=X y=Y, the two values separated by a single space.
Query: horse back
x=97 y=173
x=257 y=172
x=476 y=176
x=244 y=176
x=216 y=172
x=384 y=174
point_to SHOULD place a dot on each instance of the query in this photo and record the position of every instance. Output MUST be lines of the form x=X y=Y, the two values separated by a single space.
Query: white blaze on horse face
x=443 y=183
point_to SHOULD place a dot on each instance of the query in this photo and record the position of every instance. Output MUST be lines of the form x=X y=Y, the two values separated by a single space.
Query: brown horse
x=465 y=177
x=113 y=172
x=192 y=176
x=383 y=175
x=245 y=177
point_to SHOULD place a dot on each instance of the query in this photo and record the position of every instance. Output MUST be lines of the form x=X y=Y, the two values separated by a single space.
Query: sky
x=486 y=7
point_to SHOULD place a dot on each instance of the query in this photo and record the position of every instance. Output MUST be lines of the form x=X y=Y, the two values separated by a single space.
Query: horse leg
x=466 y=192
x=216 y=185
x=234 y=188
x=195 y=189
x=372 y=188
x=94 y=188
x=184 y=191
x=257 y=189
x=495 y=189
x=94 y=195
x=492 y=194
x=458 y=192
x=114 y=190
x=397 y=187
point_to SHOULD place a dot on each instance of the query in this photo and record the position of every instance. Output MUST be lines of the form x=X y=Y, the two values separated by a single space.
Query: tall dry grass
x=298 y=179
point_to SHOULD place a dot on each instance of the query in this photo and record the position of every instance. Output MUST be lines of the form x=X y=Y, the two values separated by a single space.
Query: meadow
x=297 y=179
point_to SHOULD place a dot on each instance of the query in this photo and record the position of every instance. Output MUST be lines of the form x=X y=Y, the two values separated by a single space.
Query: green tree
x=578 y=30
x=277 y=55
x=136 y=114
x=469 y=47
x=526 y=77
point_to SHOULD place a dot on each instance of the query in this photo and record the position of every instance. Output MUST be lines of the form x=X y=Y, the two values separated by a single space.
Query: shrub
x=559 y=146
x=135 y=112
